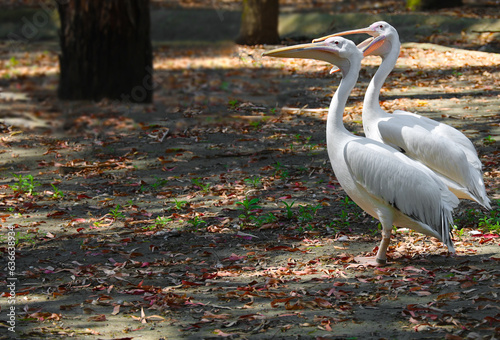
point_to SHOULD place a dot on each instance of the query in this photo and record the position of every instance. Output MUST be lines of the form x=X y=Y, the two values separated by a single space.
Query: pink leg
x=385 y=218
x=381 y=258
x=382 y=249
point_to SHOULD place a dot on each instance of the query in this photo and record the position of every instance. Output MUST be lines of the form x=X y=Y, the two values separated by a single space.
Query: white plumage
x=382 y=181
x=444 y=149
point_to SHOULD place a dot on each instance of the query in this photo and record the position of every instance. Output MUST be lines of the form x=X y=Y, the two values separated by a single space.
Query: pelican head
x=383 y=37
x=334 y=50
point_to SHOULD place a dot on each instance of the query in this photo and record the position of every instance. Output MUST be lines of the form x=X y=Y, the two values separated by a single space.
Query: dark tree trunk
x=432 y=4
x=259 y=22
x=106 y=50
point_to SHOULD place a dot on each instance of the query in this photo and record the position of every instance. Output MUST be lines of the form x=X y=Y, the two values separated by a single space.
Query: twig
x=474 y=31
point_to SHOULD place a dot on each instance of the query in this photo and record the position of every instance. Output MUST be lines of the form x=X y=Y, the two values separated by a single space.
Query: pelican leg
x=381 y=258
x=384 y=244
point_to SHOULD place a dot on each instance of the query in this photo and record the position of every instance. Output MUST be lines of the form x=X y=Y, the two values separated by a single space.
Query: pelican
x=440 y=147
x=382 y=181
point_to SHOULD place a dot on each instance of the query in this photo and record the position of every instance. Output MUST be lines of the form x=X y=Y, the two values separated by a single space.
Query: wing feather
x=401 y=183
x=439 y=153
x=443 y=130
x=442 y=148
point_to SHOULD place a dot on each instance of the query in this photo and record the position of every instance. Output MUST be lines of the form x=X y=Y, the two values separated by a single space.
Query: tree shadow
x=222 y=129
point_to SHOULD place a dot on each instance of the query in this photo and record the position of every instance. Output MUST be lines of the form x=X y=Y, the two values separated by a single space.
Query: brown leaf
x=116 y=310
x=68 y=307
x=98 y=318
x=467 y=284
x=88 y=310
x=222 y=334
x=275 y=302
x=323 y=303
x=449 y=296
x=208 y=315
x=297 y=306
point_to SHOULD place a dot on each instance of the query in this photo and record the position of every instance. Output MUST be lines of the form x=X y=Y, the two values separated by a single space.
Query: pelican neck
x=372 y=95
x=335 y=122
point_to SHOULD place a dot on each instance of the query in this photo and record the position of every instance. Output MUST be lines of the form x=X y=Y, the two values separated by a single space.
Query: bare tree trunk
x=432 y=4
x=259 y=22
x=106 y=50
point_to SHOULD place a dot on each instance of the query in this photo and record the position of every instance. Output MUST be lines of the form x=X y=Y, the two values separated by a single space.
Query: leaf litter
x=147 y=239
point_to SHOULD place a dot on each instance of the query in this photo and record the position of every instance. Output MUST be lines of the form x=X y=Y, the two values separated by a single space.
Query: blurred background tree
x=416 y=5
x=259 y=22
x=106 y=50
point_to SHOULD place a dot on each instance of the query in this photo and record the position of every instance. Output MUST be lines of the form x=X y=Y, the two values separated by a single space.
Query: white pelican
x=382 y=181
x=441 y=147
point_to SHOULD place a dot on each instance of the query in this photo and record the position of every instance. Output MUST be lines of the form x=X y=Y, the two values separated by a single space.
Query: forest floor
x=214 y=212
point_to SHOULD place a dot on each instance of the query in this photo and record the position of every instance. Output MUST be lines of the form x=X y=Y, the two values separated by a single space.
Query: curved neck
x=372 y=100
x=335 y=123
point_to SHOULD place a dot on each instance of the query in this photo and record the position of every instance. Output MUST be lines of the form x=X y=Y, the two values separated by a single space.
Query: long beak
x=370 y=45
x=366 y=30
x=318 y=51
x=367 y=46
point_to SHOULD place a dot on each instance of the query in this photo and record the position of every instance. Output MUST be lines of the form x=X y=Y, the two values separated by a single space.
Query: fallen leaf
x=97 y=318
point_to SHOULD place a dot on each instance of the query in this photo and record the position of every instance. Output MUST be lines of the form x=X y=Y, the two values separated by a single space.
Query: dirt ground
x=214 y=212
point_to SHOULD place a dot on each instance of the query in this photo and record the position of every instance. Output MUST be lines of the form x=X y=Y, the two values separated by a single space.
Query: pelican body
x=442 y=148
x=382 y=181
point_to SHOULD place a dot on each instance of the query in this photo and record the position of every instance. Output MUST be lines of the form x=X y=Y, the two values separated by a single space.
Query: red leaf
x=188 y=283
x=491 y=320
x=484 y=240
x=234 y=257
x=56 y=213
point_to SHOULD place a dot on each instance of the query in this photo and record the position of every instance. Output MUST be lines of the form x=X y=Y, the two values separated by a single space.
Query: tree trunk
x=106 y=50
x=259 y=22
x=432 y=4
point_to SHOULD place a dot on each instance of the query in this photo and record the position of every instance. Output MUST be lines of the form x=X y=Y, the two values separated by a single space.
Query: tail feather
x=446 y=236
x=448 y=203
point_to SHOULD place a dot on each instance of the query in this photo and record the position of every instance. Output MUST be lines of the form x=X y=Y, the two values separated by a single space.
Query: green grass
x=307 y=212
x=25 y=184
x=487 y=221
x=57 y=193
x=489 y=140
x=179 y=204
x=205 y=187
x=196 y=222
x=254 y=181
x=116 y=213
x=288 y=209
